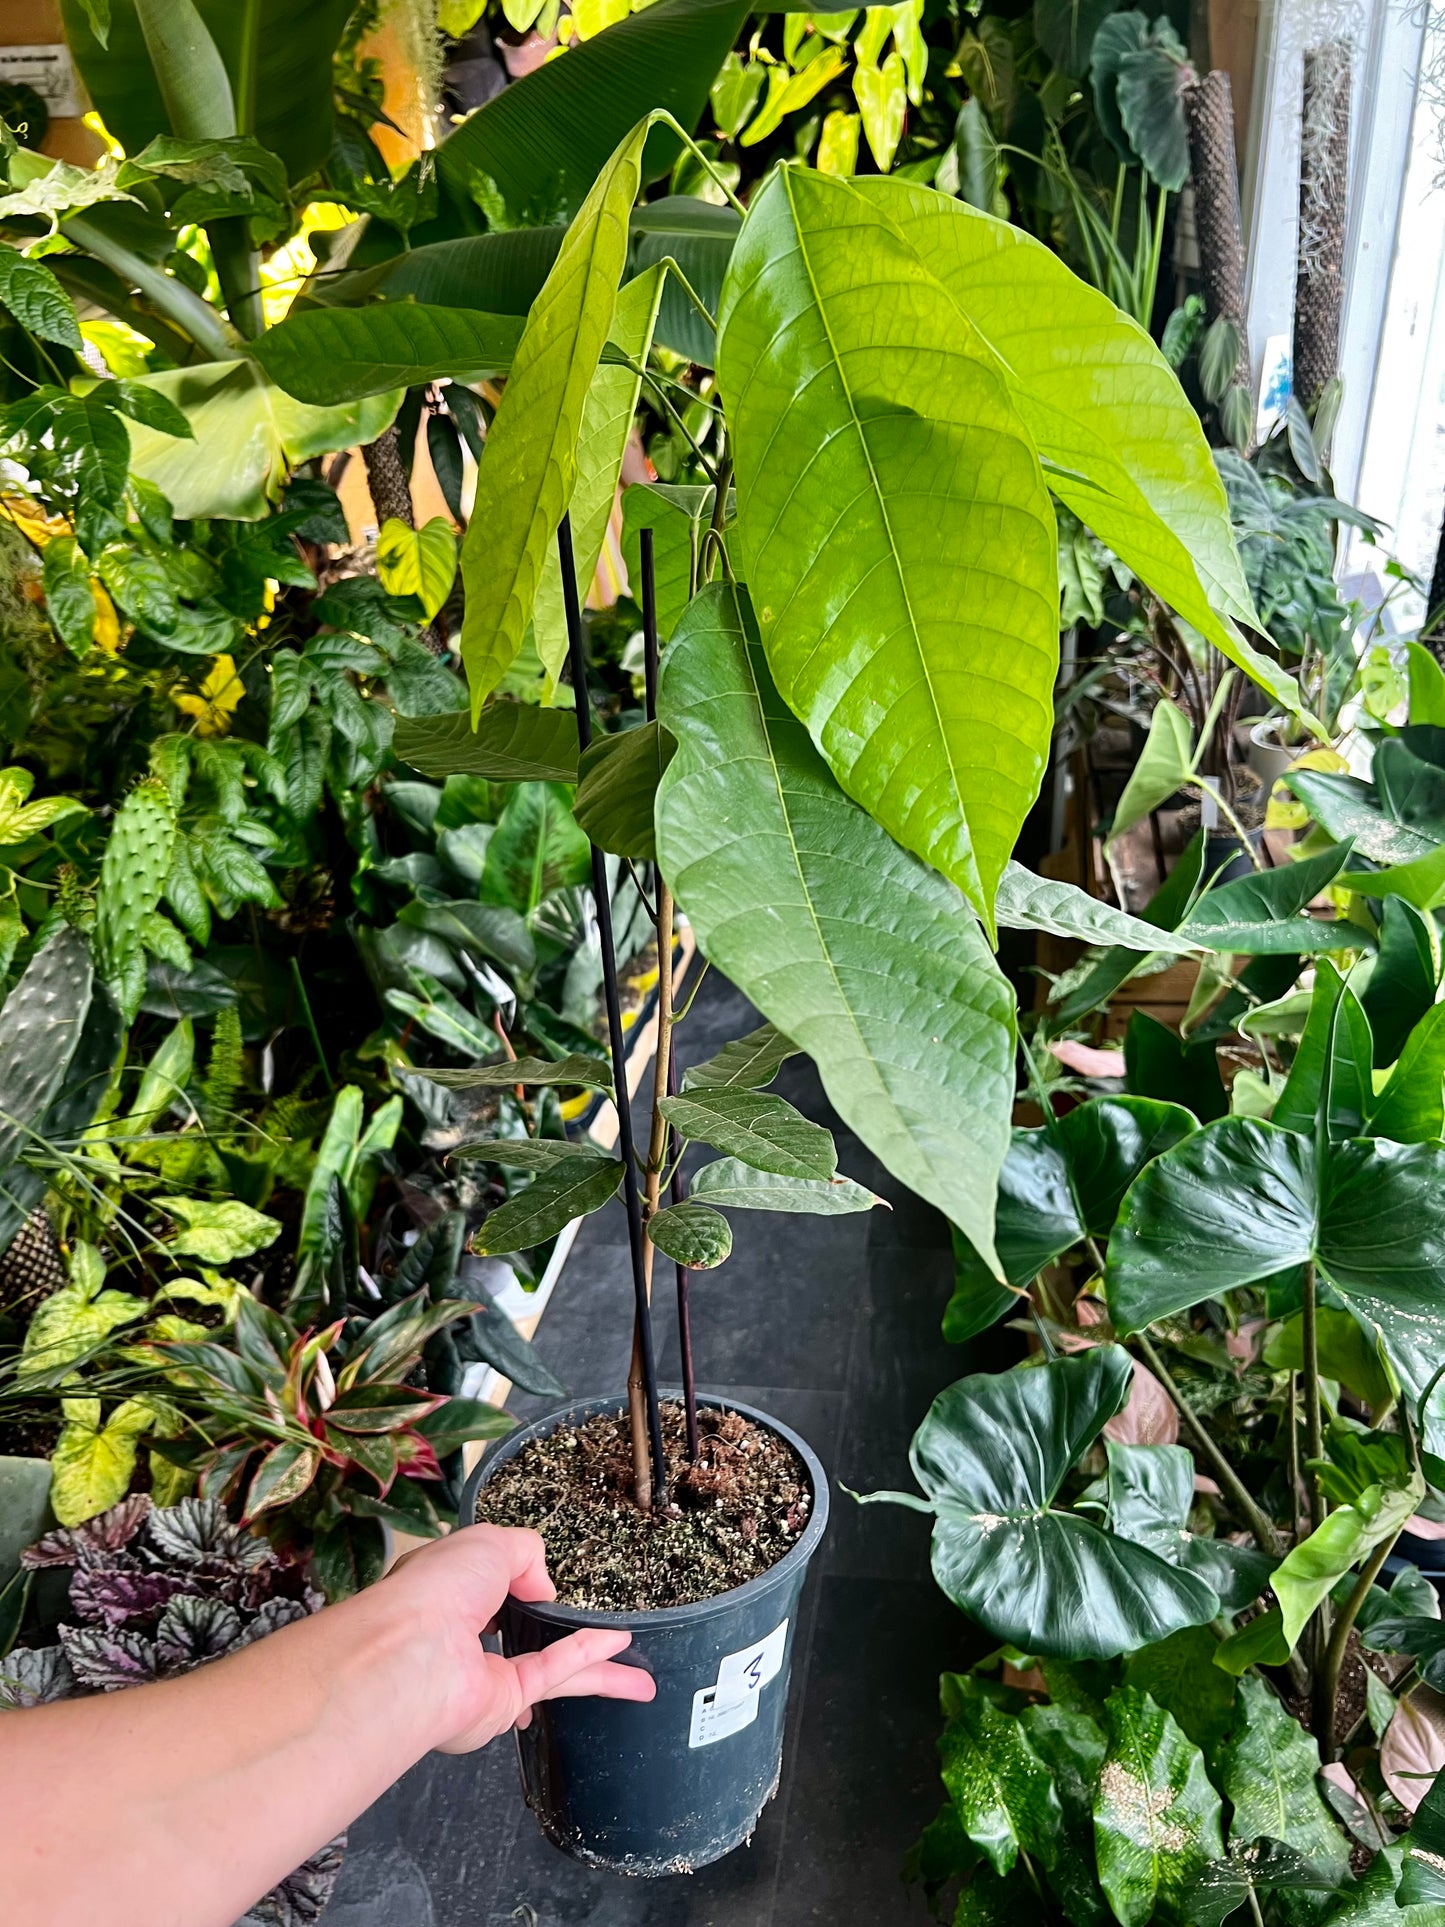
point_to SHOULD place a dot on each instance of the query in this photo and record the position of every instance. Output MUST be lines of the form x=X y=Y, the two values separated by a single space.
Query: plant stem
x=306 y=1012
x=1327 y=1680
x=1230 y=1481
x=1233 y=821
x=1314 y=1419
x=650 y=1482
x=684 y=1306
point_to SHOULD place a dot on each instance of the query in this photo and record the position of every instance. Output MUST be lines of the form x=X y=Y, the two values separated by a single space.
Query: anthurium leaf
x=1156 y=1816
x=589 y=1072
x=1345 y=807
x=1029 y=902
x=510 y=743
x=691 y=1234
x=569 y=1190
x=746 y=1064
x=1262 y=914
x=763 y=1131
x=529 y=469
x=1002 y=1792
x=1411 y=1107
x=526 y=1153
x=741 y=1187
x=1405 y=977
x=1336 y=1037
x=886 y=631
x=617 y=787
x=334 y=355
x=1126 y=452
x=991 y=1455
x=1165 y=763
x=1267 y=1771
x=764 y=855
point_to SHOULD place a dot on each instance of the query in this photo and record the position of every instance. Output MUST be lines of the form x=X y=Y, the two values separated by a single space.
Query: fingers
x=581 y=1664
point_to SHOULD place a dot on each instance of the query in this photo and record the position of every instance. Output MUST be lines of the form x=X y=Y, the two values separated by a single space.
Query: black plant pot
x=1223 y=852
x=669 y=1786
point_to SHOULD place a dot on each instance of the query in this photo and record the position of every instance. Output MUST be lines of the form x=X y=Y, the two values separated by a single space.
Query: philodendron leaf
x=529 y=469
x=740 y=1187
x=1223 y=1888
x=1402 y=985
x=762 y=1131
x=1423 y=1880
x=1156 y=1816
x=1151 y=1489
x=509 y=743
x=1002 y=1792
x=617 y=789
x=1267 y=1771
x=418 y=562
x=334 y=355
x=746 y=1064
x=1241 y=1201
x=592 y=1073
x=991 y=1455
x=1029 y=902
x=691 y=1234
x=569 y=1190
x=870 y=460
x=866 y=959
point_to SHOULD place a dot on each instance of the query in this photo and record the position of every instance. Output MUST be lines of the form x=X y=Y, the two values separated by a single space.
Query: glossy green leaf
x=875 y=442
x=1312 y=1569
x=991 y=1456
x=1002 y=1792
x=510 y=743
x=887 y=985
x=1337 y=1039
x=248 y=435
x=536 y=848
x=498 y=274
x=1156 y=1816
x=1029 y=902
x=1423 y=1879
x=1405 y=977
x=617 y=789
x=334 y=355
x=607 y=415
x=1372 y=1901
x=569 y=1190
x=1071 y=1745
x=1345 y=1350
x=1179 y=1675
x=1151 y=1490
x=1159 y=1064
x=1268 y=1772
x=1427 y=687
x=691 y=1235
x=1224 y=1887
x=1420 y=882
x=1065 y=30
x=1345 y=807
x=418 y=562
x=746 y=1064
x=528 y=471
x=1262 y=914
x=30 y=291
x=740 y=1187
x=1411 y=1107
x=589 y=1072
x=476 y=929
x=762 y=1131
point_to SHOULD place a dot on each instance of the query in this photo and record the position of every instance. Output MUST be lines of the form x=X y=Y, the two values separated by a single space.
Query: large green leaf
x=1001 y=1790
x=852 y=948
x=1267 y=1771
x=509 y=743
x=1156 y=1817
x=544 y=139
x=763 y=1131
x=276 y=52
x=1411 y=1108
x=1070 y=1743
x=1241 y=1201
x=1151 y=1491
x=529 y=469
x=334 y=355
x=991 y=1455
x=884 y=473
x=1372 y=1901
x=247 y=434
x=1263 y=914
x=1122 y=443
x=1374 y=1514
x=601 y=438
x=1331 y=1068
x=499 y=273
x=1165 y=763
x=1179 y=1674
x=569 y=1190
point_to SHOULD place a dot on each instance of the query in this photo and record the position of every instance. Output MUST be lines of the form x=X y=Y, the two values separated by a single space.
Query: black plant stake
x=642 y=1327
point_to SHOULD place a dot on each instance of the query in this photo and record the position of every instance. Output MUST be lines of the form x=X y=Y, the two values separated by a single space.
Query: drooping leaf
x=1268 y=1771
x=617 y=789
x=1151 y=1489
x=511 y=743
x=1028 y=902
x=569 y=1190
x=1002 y=1792
x=526 y=1153
x=330 y=356
x=764 y=854
x=991 y=1455
x=1156 y=1816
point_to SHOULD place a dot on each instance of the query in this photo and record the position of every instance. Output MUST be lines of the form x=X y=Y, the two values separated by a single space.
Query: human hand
x=454 y=1588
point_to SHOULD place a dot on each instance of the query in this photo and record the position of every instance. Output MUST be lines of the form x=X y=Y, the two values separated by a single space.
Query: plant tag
x=732 y=1702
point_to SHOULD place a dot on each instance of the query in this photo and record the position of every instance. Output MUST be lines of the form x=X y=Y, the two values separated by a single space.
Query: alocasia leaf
x=1411 y=1107
x=1156 y=1816
x=1002 y=1792
x=882 y=468
x=1406 y=975
x=1336 y=1036
x=1267 y=1770
x=851 y=947
x=991 y=1455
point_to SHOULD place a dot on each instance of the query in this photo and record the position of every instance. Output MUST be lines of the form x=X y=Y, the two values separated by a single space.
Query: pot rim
x=553 y=1612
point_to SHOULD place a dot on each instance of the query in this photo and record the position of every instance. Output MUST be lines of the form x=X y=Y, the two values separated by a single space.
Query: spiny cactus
x=133 y=872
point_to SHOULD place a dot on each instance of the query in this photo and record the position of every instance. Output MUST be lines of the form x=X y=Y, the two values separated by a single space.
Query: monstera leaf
x=991 y=1456
x=1059 y=1185
x=855 y=951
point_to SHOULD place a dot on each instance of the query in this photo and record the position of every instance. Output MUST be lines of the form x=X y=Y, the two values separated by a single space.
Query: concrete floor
x=833 y=1325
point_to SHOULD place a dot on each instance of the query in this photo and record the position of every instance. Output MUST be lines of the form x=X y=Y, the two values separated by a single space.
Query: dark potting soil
x=23 y=1437
x=731 y=1516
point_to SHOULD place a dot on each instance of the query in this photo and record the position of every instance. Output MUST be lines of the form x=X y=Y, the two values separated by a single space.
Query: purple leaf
x=93 y=1543
x=302 y=1896
x=114 y=1594
x=33 y=1676
x=194 y=1630
x=108 y=1660
x=275 y=1614
x=197 y=1531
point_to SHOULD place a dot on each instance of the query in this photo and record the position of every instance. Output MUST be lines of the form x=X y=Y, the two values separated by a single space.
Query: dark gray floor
x=833 y=1325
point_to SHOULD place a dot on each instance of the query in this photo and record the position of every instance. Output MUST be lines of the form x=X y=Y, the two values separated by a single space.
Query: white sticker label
x=50 y=71
x=731 y=1703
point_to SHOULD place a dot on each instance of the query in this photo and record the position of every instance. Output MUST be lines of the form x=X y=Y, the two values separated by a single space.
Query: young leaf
x=692 y=1235
x=1165 y=763
x=746 y=1064
x=36 y=299
x=617 y=788
x=418 y=562
x=1002 y=1792
x=569 y=1190
x=764 y=1132
x=765 y=856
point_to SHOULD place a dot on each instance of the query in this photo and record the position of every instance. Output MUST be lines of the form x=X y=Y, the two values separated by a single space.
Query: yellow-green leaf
x=418 y=562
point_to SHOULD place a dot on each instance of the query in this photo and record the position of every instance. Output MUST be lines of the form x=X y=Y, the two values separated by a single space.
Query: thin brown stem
x=657 y=1142
x=1229 y=1480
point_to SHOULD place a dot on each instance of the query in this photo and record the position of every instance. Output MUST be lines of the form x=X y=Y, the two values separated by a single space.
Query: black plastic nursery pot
x=672 y=1785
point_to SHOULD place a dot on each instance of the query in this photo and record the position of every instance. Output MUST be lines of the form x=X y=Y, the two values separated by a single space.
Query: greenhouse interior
x=722 y=1009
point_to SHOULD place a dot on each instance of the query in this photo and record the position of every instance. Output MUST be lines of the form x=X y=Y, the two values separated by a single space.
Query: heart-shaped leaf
x=418 y=562
x=691 y=1234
